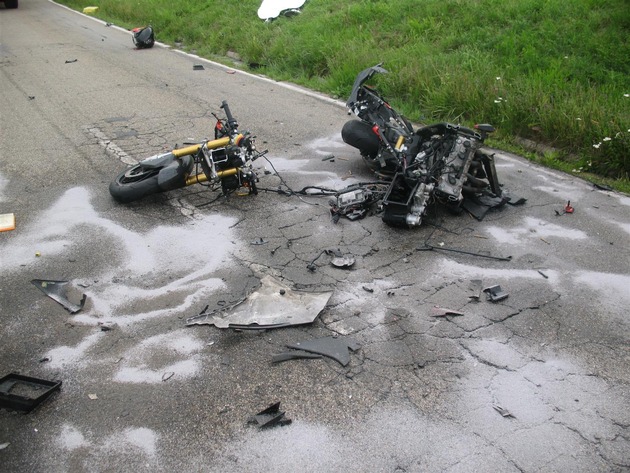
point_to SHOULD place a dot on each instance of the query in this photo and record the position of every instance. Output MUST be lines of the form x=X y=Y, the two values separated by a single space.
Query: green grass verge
x=553 y=71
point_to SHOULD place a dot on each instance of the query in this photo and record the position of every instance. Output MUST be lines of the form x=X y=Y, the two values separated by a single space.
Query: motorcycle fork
x=209 y=145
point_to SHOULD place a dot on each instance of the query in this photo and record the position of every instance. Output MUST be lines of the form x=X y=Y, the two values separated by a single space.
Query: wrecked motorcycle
x=439 y=163
x=225 y=160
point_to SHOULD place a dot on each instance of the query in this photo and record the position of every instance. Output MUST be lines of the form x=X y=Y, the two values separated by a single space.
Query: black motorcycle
x=440 y=163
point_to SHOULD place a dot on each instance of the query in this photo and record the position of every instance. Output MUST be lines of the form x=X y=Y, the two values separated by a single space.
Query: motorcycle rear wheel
x=134 y=183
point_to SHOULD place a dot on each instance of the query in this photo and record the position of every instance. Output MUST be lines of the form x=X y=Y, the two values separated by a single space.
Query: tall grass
x=555 y=71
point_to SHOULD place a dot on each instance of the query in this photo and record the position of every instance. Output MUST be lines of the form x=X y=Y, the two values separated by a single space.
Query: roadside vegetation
x=555 y=72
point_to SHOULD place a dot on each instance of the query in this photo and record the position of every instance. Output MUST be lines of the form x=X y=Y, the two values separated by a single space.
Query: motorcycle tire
x=359 y=135
x=134 y=184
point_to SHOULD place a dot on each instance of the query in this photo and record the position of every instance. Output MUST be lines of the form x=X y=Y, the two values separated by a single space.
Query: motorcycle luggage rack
x=398 y=201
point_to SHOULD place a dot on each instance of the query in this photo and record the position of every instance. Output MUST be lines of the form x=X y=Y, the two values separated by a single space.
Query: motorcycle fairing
x=173 y=175
x=361 y=78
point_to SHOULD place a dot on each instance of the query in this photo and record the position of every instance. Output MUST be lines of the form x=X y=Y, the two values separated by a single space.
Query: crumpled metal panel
x=272 y=305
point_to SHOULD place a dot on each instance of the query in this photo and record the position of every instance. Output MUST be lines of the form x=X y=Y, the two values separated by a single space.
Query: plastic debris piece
x=502 y=411
x=4 y=445
x=543 y=274
x=259 y=241
x=106 y=326
x=24 y=393
x=331 y=347
x=443 y=312
x=198 y=67
x=90 y=10
x=93 y=397
x=475 y=286
x=7 y=222
x=270 y=417
x=267 y=308
x=167 y=376
x=56 y=290
x=294 y=355
x=70 y=61
x=495 y=293
x=343 y=261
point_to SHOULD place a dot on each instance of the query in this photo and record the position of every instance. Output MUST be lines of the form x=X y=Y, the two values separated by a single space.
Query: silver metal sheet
x=272 y=305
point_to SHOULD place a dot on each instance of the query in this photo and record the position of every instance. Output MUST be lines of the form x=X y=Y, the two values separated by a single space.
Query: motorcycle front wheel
x=134 y=183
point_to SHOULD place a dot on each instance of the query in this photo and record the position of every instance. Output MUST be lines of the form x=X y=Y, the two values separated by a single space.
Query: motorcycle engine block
x=455 y=165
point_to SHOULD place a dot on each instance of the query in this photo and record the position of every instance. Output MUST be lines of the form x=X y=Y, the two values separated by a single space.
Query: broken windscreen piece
x=272 y=305
x=56 y=290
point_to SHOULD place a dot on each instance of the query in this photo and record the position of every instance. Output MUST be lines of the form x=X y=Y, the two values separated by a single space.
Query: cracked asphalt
x=536 y=382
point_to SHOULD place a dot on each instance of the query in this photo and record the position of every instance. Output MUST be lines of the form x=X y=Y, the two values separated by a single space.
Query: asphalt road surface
x=536 y=382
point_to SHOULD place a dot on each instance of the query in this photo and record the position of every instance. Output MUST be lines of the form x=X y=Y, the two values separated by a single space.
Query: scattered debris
x=336 y=348
x=479 y=206
x=269 y=417
x=24 y=393
x=44 y=359
x=4 y=445
x=107 y=326
x=258 y=241
x=266 y=308
x=198 y=67
x=502 y=411
x=56 y=290
x=475 y=286
x=70 y=61
x=368 y=289
x=568 y=209
x=602 y=187
x=339 y=260
x=7 y=222
x=93 y=397
x=294 y=355
x=495 y=293
x=342 y=261
x=543 y=274
x=437 y=311
x=167 y=376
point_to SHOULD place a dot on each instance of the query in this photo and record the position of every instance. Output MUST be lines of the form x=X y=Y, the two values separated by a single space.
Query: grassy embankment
x=553 y=71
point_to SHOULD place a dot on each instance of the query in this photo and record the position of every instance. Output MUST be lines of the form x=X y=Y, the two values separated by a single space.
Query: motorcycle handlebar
x=232 y=123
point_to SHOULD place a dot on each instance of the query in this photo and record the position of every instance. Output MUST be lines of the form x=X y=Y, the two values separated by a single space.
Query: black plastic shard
x=495 y=293
x=331 y=347
x=24 y=393
x=294 y=355
x=269 y=417
x=56 y=290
